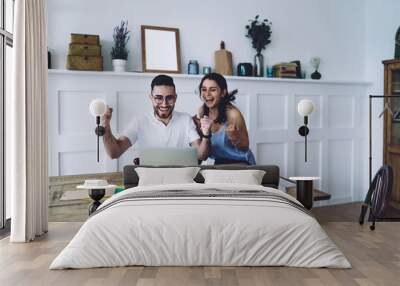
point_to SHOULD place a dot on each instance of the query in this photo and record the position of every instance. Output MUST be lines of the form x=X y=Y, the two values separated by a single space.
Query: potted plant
x=259 y=32
x=119 y=52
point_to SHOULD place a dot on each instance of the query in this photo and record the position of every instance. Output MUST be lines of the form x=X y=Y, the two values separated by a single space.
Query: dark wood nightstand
x=304 y=190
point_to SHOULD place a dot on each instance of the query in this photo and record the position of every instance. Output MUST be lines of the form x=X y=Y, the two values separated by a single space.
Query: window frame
x=6 y=39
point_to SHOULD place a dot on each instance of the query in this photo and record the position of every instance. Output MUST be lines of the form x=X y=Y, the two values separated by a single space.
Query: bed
x=201 y=224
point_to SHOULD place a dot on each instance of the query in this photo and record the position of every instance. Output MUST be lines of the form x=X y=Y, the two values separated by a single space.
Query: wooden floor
x=374 y=255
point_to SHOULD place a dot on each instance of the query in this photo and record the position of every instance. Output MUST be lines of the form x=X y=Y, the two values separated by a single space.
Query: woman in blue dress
x=229 y=137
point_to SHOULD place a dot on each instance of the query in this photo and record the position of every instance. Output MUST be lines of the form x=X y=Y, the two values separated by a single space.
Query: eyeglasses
x=159 y=99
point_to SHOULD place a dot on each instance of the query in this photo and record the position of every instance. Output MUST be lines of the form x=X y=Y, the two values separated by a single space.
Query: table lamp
x=97 y=108
x=304 y=108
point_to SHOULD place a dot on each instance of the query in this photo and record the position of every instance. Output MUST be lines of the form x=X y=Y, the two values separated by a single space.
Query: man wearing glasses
x=163 y=128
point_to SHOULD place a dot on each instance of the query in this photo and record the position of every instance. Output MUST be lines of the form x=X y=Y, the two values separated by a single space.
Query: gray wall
x=333 y=30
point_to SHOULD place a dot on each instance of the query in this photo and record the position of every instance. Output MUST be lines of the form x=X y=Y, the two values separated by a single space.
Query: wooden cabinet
x=391 y=141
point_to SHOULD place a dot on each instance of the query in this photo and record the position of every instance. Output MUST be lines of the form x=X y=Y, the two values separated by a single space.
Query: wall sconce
x=97 y=108
x=304 y=108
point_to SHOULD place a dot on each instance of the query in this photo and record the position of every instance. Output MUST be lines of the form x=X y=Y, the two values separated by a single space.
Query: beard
x=163 y=114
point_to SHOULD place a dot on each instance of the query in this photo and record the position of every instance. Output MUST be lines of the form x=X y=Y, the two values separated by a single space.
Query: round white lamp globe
x=98 y=107
x=305 y=107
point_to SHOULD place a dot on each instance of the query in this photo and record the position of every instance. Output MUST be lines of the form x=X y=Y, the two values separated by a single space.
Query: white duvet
x=185 y=231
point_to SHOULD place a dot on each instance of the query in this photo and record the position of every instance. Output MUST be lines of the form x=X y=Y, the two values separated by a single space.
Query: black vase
x=316 y=75
x=258 y=65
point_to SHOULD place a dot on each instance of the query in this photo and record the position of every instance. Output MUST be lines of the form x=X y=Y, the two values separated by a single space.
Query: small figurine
x=315 y=61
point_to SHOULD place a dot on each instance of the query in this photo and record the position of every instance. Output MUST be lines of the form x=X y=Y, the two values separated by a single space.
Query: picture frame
x=160 y=49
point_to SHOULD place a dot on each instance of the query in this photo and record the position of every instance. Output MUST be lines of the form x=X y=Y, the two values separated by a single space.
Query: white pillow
x=166 y=176
x=248 y=177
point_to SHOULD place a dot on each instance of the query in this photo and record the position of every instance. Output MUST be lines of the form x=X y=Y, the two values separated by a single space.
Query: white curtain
x=27 y=153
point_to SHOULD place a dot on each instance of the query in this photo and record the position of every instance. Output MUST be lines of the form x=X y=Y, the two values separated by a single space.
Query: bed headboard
x=270 y=179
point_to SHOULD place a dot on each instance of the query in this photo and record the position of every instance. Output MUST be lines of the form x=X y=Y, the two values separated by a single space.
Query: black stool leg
x=372 y=226
x=364 y=209
x=96 y=195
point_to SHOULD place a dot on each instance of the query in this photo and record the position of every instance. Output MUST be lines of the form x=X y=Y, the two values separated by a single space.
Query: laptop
x=168 y=156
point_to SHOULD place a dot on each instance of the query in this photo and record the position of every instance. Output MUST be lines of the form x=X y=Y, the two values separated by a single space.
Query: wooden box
x=84 y=50
x=285 y=70
x=85 y=39
x=85 y=63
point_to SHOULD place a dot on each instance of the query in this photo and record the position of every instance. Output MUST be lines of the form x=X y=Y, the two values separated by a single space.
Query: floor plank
x=375 y=257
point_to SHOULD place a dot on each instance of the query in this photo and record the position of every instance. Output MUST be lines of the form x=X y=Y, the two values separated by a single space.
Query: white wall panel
x=312 y=167
x=341 y=168
x=272 y=111
x=82 y=162
x=341 y=111
x=71 y=103
x=273 y=154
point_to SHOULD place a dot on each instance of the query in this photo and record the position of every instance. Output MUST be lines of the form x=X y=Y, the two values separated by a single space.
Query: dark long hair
x=225 y=100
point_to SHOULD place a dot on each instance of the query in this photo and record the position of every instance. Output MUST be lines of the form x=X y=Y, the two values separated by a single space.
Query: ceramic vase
x=119 y=65
x=258 y=69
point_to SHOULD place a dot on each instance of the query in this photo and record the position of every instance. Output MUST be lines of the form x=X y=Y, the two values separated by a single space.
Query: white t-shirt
x=147 y=131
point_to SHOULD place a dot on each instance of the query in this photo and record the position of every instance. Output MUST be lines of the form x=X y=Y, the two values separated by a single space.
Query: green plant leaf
x=121 y=37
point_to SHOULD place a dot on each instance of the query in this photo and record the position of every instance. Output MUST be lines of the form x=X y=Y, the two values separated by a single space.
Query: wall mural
x=216 y=134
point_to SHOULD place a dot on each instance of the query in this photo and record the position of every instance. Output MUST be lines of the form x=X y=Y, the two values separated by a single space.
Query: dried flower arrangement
x=259 y=32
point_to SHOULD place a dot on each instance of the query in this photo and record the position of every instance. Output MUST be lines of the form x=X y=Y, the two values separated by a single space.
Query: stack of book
x=84 y=53
x=285 y=70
